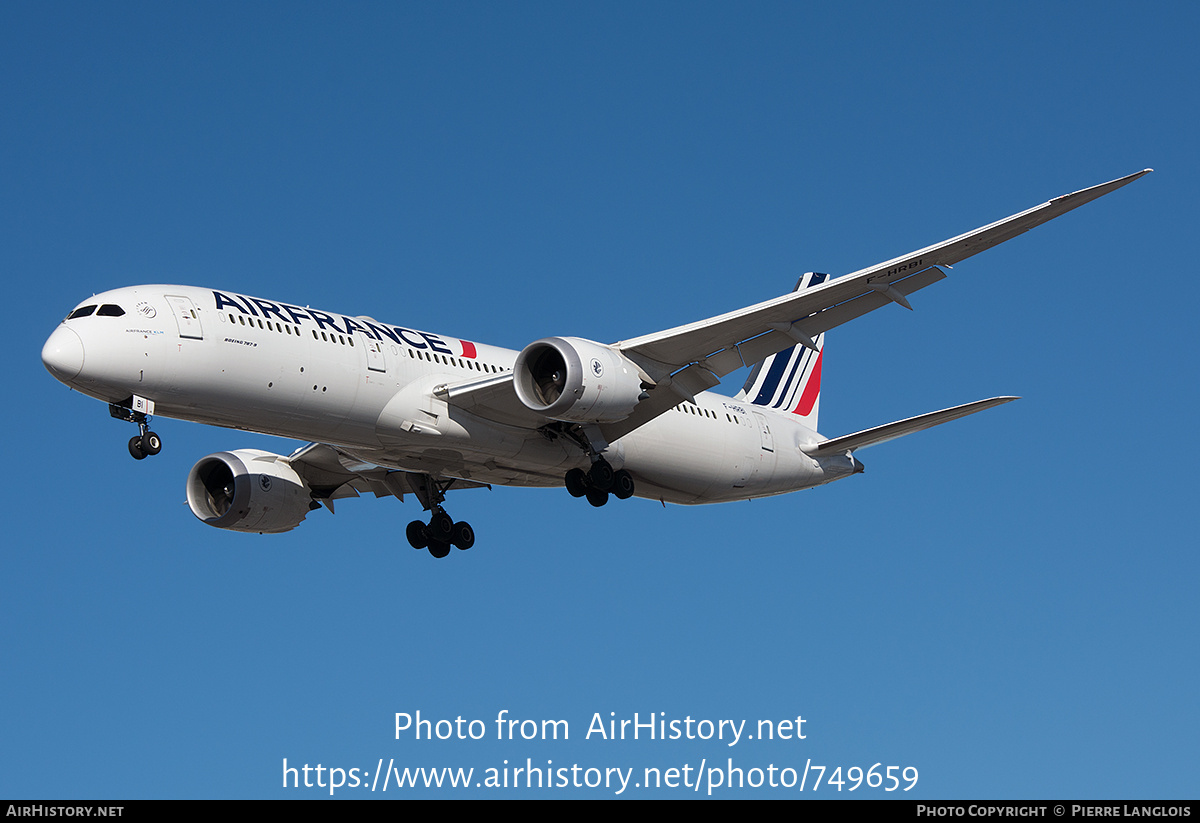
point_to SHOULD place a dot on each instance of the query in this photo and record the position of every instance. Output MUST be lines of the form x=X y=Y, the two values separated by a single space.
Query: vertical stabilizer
x=790 y=381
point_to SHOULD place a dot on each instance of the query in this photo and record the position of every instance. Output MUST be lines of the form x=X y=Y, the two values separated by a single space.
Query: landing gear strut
x=441 y=532
x=141 y=445
x=598 y=482
x=601 y=480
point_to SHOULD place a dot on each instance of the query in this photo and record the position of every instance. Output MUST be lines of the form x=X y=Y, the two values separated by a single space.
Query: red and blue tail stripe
x=790 y=380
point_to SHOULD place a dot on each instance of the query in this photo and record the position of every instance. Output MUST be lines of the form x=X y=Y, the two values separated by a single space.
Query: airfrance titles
x=339 y=324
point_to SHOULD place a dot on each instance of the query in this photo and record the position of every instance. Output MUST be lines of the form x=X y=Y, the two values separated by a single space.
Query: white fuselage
x=368 y=388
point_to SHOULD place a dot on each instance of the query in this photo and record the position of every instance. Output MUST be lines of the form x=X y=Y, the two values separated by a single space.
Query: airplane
x=392 y=410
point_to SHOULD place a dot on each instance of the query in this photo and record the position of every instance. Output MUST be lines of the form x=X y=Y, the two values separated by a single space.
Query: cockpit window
x=82 y=311
x=110 y=310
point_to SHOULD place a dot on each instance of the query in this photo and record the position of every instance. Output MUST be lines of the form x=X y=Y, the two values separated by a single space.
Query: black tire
x=151 y=443
x=438 y=548
x=416 y=535
x=441 y=525
x=463 y=535
x=601 y=475
x=622 y=485
x=135 y=448
x=597 y=497
x=577 y=484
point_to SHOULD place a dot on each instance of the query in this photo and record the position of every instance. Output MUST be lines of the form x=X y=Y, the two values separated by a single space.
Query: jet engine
x=248 y=490
x=568 y=378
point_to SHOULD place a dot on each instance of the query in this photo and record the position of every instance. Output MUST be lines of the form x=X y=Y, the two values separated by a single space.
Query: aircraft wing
x=689 y=359
x=693 y=357
x=714 y=343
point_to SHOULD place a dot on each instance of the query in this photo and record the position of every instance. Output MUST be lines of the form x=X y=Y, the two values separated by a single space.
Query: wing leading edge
x=715 y=342
x=691 y=358
x=686 y=360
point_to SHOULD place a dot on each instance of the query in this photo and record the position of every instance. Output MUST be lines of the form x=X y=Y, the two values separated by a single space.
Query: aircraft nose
x=63 y=354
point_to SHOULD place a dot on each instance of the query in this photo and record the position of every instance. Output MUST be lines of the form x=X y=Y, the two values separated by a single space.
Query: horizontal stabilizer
x=890 y=431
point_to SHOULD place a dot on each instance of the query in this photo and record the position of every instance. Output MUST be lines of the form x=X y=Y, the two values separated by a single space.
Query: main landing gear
x=141 y=445
x=598 y=482
x=441 y=532
x=601 y=480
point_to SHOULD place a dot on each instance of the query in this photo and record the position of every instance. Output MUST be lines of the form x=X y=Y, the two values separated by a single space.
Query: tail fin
x=790 y=380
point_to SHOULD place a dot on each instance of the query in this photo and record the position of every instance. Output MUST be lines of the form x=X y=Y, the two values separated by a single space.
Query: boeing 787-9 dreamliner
x=393 y=411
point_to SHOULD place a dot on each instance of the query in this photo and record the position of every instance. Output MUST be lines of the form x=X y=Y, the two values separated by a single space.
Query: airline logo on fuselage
x=338 y=324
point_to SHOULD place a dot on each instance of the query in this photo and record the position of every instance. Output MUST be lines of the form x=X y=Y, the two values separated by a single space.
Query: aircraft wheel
x=622 y=485
x=601 y=475
x=438 y=548
x=440 y=527
x=576 y=483
x=151 y=443
x=597 y=497
x=463 y=535
x=135 y=448
x=416 y=535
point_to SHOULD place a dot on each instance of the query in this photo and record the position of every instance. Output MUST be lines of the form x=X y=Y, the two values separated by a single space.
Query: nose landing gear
x=145 y=444
x=141 y=445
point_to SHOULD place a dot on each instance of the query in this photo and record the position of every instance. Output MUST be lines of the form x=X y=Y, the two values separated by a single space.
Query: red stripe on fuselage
x=813 y=388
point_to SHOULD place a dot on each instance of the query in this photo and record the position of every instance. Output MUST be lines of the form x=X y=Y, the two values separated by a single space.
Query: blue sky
x=1006 y=603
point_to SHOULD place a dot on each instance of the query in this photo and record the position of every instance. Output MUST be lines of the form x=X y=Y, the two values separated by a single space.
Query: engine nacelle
x=248 y=490
x=568 y=378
